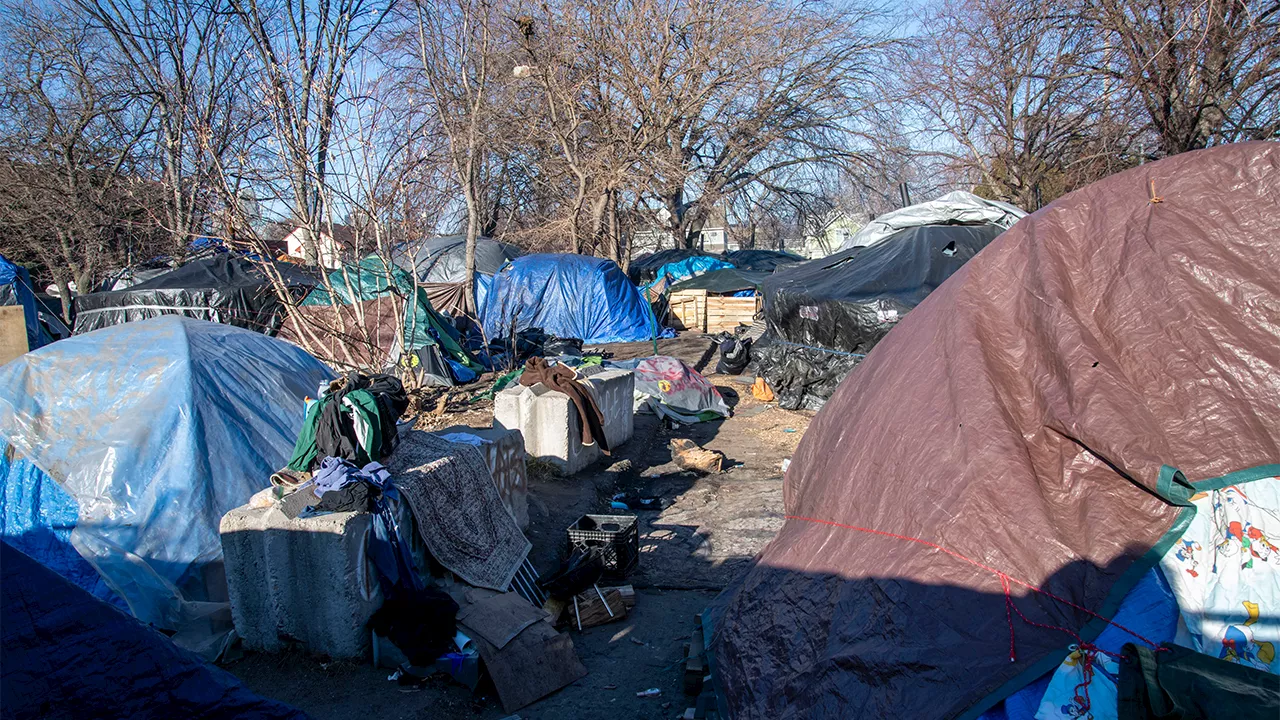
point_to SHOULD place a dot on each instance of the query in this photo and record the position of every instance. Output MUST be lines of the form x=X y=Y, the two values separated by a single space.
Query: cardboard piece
x=13 y=333
x=535 y=664
x=499 y=617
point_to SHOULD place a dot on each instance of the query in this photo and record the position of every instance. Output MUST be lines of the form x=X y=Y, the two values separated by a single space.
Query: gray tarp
x=1029 y=416
x=958 y=208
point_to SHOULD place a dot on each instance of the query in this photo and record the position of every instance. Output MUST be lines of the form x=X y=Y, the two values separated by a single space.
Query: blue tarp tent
x=66 y=655
x=570 y=296
x=690 y=267
x=153 y=430
x=15 y=289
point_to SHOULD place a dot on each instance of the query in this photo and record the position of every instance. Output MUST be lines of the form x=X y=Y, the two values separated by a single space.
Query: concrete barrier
x=548 y=420
x=504 y=454
x=306 y=580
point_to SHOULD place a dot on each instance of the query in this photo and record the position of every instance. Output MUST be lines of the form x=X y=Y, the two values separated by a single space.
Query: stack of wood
x=595 y=606
x=696 y=677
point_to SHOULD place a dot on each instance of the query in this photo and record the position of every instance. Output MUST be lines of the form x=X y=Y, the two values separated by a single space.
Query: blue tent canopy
x=571 y=296
x=15 y=289
x=152 y=431
x=65 y=654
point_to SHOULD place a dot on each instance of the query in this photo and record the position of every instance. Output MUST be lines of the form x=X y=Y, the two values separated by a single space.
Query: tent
x=441 y=266
x=674 y=272
x=762 y=260
x=68 y=654
x=569 y=296
x=824 y=315
x=954 y=208
x=134 y=440
x=1023 y=449
x=225 y=288
x=381 y=332
x=644 y=269
x=15 y=289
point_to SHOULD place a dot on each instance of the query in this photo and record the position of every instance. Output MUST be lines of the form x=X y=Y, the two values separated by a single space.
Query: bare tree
x=1203 y=72
x=70 y=138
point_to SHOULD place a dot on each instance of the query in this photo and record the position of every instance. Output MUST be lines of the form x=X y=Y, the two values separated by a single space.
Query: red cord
x=1005 y=580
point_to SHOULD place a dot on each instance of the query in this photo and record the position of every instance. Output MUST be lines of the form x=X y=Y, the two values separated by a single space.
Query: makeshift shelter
x=67 y=654
x=824 y=315
x=1022 y=449
x=365 y=324
x=224 y=288
x=717 y=301
x=954 y=208
x=765 y=261
x=723 y=282
x=151 y=430
x=441 y=267
x=569 y=296
x=15 y=291
x=644 y=269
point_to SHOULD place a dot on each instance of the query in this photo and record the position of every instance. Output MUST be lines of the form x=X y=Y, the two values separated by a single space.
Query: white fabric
x=1225 y=573
x=953 y=208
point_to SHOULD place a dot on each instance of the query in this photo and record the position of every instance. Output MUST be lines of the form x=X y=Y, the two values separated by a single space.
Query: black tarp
x=644 y=269
x=224 y=289
x=825 y=314
x=67 y=654
x=728 y=280
x=762 y=260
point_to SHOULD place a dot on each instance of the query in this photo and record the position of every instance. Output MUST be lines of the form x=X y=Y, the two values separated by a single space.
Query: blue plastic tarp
x=569 y=296
x=155 y=429
x=66 y=654
x=691 y=267
x=15 y=289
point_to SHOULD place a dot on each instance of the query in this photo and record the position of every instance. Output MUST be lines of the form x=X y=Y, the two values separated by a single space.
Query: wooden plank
x=13 y=333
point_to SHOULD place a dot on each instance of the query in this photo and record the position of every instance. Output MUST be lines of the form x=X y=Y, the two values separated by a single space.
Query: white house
x=331 y=251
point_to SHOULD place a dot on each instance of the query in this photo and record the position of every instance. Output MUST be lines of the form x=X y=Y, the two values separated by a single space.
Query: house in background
x=331 y=251
x=826 y=235
x=714 y=236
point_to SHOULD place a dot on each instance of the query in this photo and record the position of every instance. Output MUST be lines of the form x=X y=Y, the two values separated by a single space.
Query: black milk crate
x=617 y=537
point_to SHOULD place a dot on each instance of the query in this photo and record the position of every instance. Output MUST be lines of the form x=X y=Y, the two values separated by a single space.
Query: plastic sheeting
x=825 y=314
x=729 y=280
x=689 y=268
x=1049 y=414
x=224 y=289
x=668 y=387
x=644 y=269
x=67 y=655
x=15 y=289
x=444 y=259
x=380 y=296
x=765 y=261
x=568 y=296
x=156 y=429
x=954 y=208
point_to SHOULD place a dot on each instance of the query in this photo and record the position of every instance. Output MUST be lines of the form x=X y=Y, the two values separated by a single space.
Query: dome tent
x=824 y=315
x=152 y=430
x=441 y=267
x=569 y=296
x=1028 y=442
x=955 y=208
x=224 y=288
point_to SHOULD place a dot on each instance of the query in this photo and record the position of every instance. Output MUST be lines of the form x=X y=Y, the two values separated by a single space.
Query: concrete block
x=548 y=420
x=307 y=580
x=504 y=454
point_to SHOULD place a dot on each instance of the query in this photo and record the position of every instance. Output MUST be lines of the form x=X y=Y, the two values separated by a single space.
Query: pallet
x=698 y=311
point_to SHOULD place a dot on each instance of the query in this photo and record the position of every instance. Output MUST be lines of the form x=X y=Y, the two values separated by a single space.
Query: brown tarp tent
x=1041 y=418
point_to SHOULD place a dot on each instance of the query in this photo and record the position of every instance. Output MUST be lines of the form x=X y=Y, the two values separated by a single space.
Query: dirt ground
x=689 y=552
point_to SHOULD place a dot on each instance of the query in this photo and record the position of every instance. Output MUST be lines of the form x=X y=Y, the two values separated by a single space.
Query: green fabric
x=365 y=405
x=304 y=450
x=503 y=382
x=369 y=279
x=1182 y=684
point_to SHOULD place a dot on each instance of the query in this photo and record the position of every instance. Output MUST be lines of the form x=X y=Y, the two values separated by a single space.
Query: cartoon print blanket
x=1225 y=574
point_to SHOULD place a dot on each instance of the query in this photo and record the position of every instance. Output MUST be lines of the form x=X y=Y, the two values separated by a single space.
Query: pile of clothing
x=354 y=419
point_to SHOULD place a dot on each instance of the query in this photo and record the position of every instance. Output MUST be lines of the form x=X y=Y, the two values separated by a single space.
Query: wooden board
x=724 y=314
x=689 y=310
x=13 y=333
